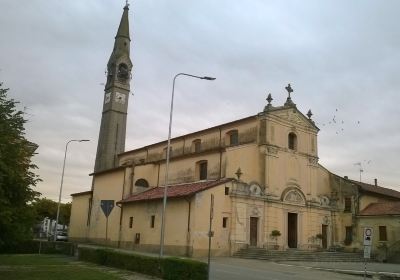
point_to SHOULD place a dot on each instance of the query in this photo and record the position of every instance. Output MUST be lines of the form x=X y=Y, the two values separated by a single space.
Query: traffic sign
x=367 y=236
x=107 y=206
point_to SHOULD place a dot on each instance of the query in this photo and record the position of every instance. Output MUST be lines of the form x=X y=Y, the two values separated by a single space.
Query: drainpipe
x=120 y=212
x=220 y=154
x=188 y=227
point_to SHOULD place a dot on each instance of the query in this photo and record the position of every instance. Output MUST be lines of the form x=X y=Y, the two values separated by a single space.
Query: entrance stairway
x=297 y=255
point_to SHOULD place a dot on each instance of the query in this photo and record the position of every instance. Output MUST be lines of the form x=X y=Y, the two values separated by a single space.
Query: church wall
x=220 y=242
x=78 y=228
x=149 y=172
x=278 y=129
x=211 y=140
x=176 y=220
x=184 y=235
x=186 y=169
x=285 y=169
x=309 y=219
x=323 y=187
x=107 y=186
x=244 y=157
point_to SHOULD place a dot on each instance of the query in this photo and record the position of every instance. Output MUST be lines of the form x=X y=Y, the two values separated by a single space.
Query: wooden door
x=253 y=231
x=324 y=236
x=292 y=230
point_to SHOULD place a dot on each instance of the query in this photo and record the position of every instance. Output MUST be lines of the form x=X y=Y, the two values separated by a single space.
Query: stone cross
x=289 y=89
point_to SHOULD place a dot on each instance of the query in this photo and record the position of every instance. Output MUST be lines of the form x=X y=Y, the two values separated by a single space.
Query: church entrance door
x=253 y=231
x=324 y=236
x=292 y=230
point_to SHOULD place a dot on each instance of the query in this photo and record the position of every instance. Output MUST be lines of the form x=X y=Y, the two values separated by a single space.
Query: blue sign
x=107 y=206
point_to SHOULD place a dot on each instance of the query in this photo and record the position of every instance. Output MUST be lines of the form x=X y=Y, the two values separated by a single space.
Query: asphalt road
x=242 y=269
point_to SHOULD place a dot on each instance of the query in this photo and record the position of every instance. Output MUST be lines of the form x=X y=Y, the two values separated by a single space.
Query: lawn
x=51 y=267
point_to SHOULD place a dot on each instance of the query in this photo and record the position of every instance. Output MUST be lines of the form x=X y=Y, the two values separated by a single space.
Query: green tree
x=48 y=208
x=17 y=177
x=65 y=213
x=45 y=208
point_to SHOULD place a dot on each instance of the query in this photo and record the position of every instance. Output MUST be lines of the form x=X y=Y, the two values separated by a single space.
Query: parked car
x=61 y=236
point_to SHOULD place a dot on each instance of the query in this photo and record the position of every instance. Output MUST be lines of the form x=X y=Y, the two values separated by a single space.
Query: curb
x=371 y=274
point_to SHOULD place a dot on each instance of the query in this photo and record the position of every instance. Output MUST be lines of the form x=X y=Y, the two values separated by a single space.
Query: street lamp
x=61 y=185
x=168 y=155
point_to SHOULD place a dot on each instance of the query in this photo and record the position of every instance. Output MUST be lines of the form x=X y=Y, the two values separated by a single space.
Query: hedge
x=167 y=268
x=42 y=247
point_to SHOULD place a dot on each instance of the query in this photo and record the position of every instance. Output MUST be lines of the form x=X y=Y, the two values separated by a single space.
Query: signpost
x=210 y=232
x=367 y=247
x=107 y=206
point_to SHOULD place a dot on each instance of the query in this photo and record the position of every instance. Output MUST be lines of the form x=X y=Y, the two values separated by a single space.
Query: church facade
x=268 y=188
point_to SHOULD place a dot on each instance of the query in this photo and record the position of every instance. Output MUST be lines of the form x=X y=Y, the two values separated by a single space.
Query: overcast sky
x=341 y=57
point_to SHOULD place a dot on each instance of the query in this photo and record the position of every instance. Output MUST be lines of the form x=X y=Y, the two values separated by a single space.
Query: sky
x=341 y=57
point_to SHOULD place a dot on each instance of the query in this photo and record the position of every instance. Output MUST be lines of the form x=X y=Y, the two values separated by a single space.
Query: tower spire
x=123 y=29
x=116 y=94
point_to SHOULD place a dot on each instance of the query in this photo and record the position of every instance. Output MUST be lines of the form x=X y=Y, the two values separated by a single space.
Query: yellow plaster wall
x=184 y=170
x=175 y=229
x=392 y=229
x=245 y=157
x=107 y=186
x=78 y=229
x=201 y=217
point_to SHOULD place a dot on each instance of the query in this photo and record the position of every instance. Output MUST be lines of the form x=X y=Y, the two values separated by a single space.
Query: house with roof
x=262 y=171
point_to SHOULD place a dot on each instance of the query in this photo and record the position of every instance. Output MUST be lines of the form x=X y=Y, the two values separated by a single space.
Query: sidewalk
x=355 y=268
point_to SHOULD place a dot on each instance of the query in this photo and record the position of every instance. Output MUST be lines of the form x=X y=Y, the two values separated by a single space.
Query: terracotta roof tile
x=174 y=191
x=377 y=189
x=377 y=209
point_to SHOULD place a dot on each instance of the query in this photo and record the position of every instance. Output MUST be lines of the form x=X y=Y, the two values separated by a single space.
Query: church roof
x=377 y=189
x=379 y=209
x=175 y=191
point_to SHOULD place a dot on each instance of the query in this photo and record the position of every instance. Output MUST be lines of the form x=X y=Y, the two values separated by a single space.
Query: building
x=262 y=171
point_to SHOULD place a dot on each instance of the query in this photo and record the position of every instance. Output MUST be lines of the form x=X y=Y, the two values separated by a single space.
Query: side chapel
x=263 y=171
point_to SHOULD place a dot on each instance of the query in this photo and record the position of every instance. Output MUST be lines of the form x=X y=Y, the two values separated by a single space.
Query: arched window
x=292 y=141
x=232 y=137
x=142 y=183
x=196 y=146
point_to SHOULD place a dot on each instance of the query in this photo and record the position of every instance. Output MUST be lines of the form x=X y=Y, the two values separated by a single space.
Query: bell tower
x=115 y=105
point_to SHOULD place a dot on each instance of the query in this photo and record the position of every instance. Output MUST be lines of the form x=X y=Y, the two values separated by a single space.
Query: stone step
x=298 y=255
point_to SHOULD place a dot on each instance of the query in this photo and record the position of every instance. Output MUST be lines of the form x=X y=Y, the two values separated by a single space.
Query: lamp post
x=61 y=185
x=168 y=155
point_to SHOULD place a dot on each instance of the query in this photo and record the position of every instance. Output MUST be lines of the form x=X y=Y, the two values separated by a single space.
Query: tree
x=45 y=208
x=48 y=208
x=65 y=213
x=17 y=177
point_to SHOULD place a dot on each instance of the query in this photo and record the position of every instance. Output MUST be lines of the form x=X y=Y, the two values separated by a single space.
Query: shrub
x=168 y=268
x=34 y=246
x=175 y=268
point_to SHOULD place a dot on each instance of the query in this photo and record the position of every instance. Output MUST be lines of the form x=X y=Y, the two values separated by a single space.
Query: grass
x=50 y=267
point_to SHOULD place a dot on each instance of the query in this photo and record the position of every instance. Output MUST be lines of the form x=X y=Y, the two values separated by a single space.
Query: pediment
x=294 y=117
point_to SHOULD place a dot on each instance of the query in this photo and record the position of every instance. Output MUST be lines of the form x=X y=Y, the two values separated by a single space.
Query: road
x=239 y=269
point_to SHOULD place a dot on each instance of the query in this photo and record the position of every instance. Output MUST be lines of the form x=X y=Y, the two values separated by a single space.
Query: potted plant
x=274 y=235
x=319 y=237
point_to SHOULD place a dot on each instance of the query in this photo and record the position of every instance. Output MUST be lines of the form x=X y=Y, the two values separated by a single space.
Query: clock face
x=120 y=98
x=107 y=98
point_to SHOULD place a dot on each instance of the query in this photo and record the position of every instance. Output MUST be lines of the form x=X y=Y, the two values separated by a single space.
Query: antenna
x=361 y=170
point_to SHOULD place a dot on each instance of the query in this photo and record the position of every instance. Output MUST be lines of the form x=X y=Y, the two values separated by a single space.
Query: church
x=269 y=190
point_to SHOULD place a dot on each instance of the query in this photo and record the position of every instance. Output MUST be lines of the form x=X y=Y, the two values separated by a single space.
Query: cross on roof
x=289 y=89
